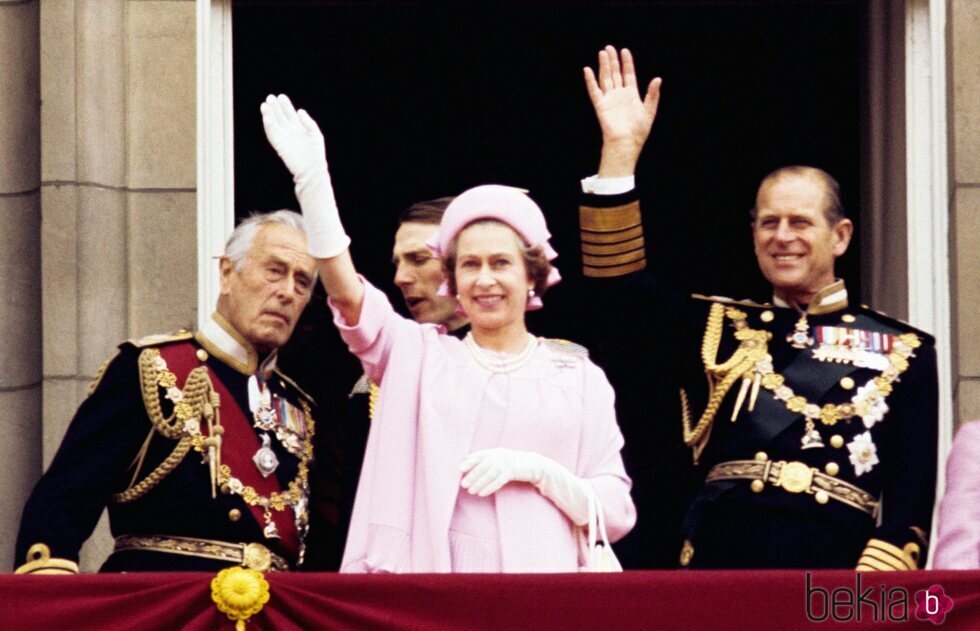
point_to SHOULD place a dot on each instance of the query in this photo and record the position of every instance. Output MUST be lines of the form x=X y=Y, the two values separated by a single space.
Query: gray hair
x=833 y=210
x=240 y=241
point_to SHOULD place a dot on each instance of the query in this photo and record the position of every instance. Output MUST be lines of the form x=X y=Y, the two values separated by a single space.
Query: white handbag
x=596 y=553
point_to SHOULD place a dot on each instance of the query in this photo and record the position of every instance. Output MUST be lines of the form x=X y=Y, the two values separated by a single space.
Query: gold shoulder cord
x=752 y=363
x=752 y=349
x=197 y=400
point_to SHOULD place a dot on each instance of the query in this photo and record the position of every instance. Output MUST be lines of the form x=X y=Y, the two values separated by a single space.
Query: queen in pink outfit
x=958 y=530
x=484 y=454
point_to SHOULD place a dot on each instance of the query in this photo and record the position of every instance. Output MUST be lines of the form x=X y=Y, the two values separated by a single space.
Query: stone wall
x=20 y=264
x=964 y=122
x=104 y=131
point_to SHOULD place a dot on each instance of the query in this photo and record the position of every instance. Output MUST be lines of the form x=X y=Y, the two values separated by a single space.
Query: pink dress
x=436 y=406
x=958 y=531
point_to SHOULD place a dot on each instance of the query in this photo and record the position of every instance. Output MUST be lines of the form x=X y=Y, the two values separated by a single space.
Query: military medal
x=864 y=453
x=270 y=531
x=811 y=437
x=272 y=413
x=800 y=337
x=863 y=349
x=265 y=459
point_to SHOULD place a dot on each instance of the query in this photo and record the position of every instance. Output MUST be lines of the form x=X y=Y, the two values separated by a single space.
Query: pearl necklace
x=510 y=363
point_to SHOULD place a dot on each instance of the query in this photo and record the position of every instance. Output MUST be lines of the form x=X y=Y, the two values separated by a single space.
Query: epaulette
x=295 y=386
x=159 y=339
x=564 y=346
x=731 y=301
x=901 y=325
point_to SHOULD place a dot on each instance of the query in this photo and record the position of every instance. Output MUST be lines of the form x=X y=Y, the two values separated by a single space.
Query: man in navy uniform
x=813 y=420
x=197 y=444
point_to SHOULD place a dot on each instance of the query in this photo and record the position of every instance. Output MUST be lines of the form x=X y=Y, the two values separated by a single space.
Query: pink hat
x=509 y=205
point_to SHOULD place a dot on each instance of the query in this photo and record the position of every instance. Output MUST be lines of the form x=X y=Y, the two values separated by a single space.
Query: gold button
x=761 y=456
x=202 y=354
x=847 y=317
x=832 y=468
x=822 y=497
x=847 y=383
x=757 y=486
x=234 y=514
x=766 y=316
x=225 y=488
x=836 y=441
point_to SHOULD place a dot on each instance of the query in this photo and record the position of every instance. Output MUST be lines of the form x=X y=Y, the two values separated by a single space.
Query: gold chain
x=752 y=361
x=195 y=401
x=296 y=489
x=870 y=396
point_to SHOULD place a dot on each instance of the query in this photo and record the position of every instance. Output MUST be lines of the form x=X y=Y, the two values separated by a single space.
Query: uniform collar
x=221 y=340
x=831 y=298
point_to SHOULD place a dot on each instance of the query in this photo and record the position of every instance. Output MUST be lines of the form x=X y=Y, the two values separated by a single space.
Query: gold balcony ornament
x=239 y=593
x=39 y=561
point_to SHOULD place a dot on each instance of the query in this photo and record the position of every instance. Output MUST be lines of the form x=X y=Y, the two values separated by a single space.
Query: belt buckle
x=795 y=477
x=256 y=556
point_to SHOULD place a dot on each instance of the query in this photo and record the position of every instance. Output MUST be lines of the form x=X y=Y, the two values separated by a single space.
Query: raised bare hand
x=625 y=118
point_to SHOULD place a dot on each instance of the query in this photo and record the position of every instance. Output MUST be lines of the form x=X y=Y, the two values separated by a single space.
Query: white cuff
x=325 y=235
x=595 y=185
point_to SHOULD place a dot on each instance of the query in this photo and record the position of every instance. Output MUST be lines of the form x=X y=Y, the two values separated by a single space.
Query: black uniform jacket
x=111 y=446
x=859 y=491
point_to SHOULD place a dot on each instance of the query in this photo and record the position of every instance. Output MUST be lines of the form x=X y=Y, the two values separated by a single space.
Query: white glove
x=488 y=470
x=298 y=141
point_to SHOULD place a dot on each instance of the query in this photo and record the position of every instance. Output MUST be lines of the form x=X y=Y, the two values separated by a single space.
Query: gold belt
x=251 y=555
x=795 y=477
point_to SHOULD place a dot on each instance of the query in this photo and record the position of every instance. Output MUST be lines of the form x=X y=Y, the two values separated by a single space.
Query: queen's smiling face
x=492 y=280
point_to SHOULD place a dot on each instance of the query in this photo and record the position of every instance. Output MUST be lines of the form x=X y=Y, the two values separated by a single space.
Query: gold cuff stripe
x=612 y=272
x=613 y=248
x=894 y=552
x=594 y=238
x=615 y=259
x=887 y=559
x=609 y=219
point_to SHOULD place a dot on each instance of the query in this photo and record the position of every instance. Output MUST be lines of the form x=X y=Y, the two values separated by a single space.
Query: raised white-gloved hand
x=488 y=470
x=298 y=141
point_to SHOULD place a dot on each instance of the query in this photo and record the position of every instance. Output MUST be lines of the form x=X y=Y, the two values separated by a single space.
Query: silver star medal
x=864 y=453
x=265 y=459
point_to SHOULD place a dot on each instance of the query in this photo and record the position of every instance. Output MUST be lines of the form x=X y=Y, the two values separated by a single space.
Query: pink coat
x=958 y=537
x=424 y=422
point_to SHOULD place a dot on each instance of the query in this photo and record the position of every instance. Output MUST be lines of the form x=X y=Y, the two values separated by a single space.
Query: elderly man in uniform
x=814 y=420
x=197 y=444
